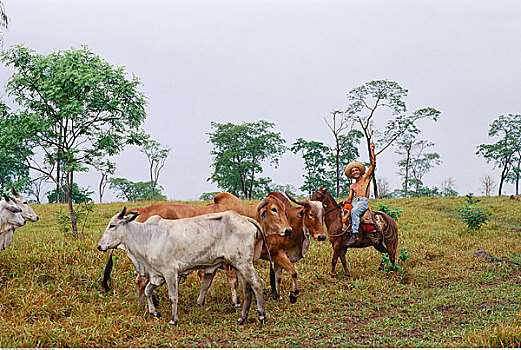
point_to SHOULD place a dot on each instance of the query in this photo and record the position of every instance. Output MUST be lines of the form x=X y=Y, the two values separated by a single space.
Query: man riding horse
x=359 y=192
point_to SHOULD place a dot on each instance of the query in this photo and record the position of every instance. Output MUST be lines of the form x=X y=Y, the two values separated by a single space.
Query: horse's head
x=323 y=196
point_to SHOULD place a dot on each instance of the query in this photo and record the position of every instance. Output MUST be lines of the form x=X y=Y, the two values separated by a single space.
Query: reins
x=329 y=211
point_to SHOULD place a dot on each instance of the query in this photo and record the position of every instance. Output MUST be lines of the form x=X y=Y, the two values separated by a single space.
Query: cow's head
x=312 y=215
x=10 y=213
x=27 y=212
x=272 y=217
x=112 y=237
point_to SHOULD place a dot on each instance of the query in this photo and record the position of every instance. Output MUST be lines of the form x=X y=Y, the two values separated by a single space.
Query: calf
x=162 y=250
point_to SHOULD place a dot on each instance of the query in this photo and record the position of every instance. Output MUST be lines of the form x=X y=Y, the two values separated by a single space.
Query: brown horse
x=333 y=218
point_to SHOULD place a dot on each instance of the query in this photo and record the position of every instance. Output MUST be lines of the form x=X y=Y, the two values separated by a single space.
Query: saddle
x=371 y=228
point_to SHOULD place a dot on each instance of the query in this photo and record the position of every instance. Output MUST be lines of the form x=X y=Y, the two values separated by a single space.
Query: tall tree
x=315 y=155
x=238 y=152
x=4 y=22
x=369 y=98
x=134 y=191
x=106 y=168
x=75 y=109
x=343 y=150
x=503 y=153
x=415 y=162
x=156 y=156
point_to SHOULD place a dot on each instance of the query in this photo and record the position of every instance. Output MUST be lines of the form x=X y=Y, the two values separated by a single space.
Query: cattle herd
x=167 y=241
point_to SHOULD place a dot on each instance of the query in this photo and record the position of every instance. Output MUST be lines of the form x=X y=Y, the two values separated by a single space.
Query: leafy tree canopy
x=134 y=191
x=238 y=153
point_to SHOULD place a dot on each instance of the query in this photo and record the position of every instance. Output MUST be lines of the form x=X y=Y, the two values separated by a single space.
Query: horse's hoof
x=332 y=275
x=292 y=298
x=241 y=321
x=276 y=296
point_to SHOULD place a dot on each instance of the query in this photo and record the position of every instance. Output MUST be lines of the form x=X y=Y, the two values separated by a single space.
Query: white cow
x=163 y=250
x=27 y=212
x=10 y=218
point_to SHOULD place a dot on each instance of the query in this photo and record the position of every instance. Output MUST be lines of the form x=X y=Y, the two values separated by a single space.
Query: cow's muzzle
x=287 y=232
x=100 y=248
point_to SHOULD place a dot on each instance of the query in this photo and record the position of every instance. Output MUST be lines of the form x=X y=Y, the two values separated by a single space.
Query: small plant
x=473 y=215
x=82 y=212
x=387 y=266
x=395 y=213
x=404 y=255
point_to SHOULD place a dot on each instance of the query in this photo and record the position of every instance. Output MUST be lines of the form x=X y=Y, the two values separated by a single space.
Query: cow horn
x=13 y=191
x=296 y=200
x=261 y=204
x=122 y=214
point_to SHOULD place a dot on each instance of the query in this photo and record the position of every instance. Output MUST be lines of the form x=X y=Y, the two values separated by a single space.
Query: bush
x=395 y=213
x=473 y=215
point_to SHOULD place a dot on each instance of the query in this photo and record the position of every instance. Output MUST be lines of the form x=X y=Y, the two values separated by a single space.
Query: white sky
x=291 y=63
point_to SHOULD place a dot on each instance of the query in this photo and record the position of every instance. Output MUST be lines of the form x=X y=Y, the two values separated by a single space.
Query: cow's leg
x=206 y=283
x=246 y=295
x=231 y=274
x=149 y=290
x=173 y=287
x=283 y=260
x=141 y=283
x=252 y=282
x=278 y=278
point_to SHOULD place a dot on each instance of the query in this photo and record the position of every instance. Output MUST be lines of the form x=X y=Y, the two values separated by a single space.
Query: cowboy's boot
x=352 y=238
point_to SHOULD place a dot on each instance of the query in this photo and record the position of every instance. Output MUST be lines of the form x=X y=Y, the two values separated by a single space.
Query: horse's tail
x=392 y=228
x=106 y=274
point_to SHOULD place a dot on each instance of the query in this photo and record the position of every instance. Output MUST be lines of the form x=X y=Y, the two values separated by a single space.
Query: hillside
x=442 y=296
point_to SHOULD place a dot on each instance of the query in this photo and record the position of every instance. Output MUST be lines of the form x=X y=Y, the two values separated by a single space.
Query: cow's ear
x=301 y=213
x=132 y=217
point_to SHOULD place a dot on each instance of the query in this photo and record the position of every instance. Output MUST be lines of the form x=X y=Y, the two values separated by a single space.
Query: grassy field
x=443 y=296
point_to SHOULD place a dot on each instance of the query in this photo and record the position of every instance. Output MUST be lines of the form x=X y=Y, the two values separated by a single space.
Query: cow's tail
x=272 y=271
x=106 y=274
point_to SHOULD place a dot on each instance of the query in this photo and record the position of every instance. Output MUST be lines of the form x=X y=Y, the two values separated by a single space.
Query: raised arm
x=370 y=171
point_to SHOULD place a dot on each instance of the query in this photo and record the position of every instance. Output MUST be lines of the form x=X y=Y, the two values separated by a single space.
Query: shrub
x=395 y=213
x=472 y=214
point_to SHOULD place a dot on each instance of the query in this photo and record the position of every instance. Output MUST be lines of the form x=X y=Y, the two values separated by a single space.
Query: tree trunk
x=69 y=202
x=375 y=186
x=503 y=176
x=337 y=171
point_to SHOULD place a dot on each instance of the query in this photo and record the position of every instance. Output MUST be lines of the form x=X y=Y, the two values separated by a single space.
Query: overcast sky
x=291 y=63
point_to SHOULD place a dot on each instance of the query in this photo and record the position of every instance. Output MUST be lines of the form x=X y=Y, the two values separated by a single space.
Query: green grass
x=444 y=296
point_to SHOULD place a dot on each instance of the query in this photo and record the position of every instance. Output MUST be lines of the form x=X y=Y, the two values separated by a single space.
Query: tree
x=239 y=150
x=4 y=22
x=315 y=155
x=79 y=195
x=376 y=95
x=488 y=184
x=134 y=191
x=156 y=156
x=75 y=109
x=384 y=187
x=448 y=188
x=515 y=173
x=415 y=162
x=503 y=153
x=106 y=168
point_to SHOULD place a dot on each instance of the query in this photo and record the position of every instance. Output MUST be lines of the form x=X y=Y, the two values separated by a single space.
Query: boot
x=352 y=238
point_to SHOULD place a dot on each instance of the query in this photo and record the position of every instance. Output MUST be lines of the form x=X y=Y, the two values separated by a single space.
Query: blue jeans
x=360 y=205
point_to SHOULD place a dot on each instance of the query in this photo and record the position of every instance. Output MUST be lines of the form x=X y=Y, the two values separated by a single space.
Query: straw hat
x=352 y=165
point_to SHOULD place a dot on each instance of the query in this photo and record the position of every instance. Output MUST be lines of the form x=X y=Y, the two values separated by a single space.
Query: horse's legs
x=344 y=262
x=381 y=248
x=338 y=252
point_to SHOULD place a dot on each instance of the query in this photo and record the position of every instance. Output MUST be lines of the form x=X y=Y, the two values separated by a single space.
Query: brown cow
x=269 y=213
x=305 y=220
